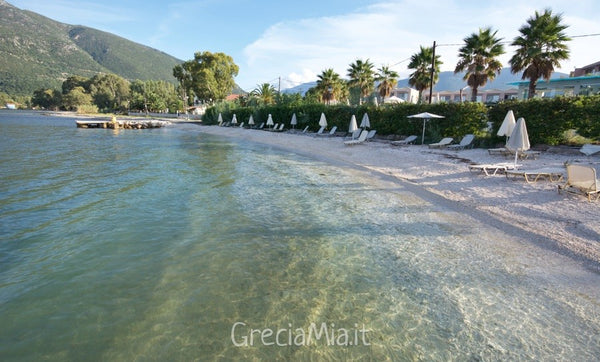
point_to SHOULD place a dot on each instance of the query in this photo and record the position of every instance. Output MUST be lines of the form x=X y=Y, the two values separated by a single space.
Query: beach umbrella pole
x=423 y=136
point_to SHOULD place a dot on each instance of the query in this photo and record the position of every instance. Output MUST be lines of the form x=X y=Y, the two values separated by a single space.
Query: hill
x=448 y=81
x=38 y=52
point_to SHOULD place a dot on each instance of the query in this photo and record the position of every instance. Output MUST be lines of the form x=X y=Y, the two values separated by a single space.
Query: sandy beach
x=563 y=223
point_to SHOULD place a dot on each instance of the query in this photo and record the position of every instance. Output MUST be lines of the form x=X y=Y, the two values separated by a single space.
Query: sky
x=287 y=43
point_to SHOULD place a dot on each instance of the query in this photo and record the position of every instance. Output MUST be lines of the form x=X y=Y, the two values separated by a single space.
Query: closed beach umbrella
x=270 y=120
x=507 y=125
x=251 y=120
x=234 y=119
x=294 y=121
x=220 y=119
x=519 y=139
x=353 y=127
x=323 y=120
x=365 y=123
x=425 y=116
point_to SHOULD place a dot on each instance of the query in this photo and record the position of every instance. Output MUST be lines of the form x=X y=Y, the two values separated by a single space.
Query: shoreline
x=533 y=212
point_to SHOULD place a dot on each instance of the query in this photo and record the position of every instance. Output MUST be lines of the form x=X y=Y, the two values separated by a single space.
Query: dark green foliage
x=547 y=119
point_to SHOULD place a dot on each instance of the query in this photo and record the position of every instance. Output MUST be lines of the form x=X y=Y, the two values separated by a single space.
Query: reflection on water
x=153 y=244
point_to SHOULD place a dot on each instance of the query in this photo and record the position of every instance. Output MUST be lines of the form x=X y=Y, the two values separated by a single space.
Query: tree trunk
x=473 y=94
x=532 y=86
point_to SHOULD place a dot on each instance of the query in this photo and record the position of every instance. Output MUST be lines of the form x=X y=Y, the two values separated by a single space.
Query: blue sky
x=296 y=40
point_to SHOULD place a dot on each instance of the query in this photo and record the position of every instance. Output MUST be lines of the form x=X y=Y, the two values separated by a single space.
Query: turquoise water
x=170 y=244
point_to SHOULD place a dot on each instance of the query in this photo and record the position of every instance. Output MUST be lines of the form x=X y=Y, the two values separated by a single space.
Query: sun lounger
x=371 y=134
x=354 y=135
x=331 y=132
x=408 y=140
x=321 y=130
x=589 y=149
x=531 y=176
x=305 y=129
x=581 y=180
x=507 y=152
x=466 y=142
x=441 y=144
x=242 y=125
x=360 y=139
x=280 y=128
x=491 y=169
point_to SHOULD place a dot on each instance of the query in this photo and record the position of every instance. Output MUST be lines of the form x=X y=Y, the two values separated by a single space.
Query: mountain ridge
x=38 y=52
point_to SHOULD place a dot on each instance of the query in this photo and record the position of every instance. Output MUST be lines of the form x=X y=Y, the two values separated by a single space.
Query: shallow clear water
x=170 y=244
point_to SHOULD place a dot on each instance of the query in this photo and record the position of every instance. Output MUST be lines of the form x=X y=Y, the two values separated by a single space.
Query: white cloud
x=389 y=32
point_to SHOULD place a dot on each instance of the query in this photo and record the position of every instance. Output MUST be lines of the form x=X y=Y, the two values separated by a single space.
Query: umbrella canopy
x=393 y=99
x=270 y=120
x=220 y=119
x=234 y=119
x=365 y=123
x=323 y=120
x=353 y=127
x=425 y=116
x=519 y=139
x=294 y=121
x=251 y=120
x=507 y=125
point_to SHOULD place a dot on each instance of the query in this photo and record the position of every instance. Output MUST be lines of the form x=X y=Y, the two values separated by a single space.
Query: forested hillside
x=38 y=52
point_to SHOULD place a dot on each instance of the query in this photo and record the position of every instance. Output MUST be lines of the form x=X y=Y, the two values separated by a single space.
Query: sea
x=171 y=244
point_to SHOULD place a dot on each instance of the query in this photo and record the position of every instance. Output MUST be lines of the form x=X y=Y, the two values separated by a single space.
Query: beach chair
x=280 y=128
x=589 y=149
x=371 y=134
x=533 y=175
x=491 y=169
x=242 y=125
x=408 y=140
x=581 y=180
x=361 y=139
x=321 y=130
x=262 y=125
x=443 y=143
x=466 y=142
x=331 y=132
x=305 y=129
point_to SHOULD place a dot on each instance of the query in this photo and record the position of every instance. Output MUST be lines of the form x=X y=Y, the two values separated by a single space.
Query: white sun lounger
x=360 y=139
x=441 y=144
x=581 y=180
x=491 y=169
x=466 y=142
x=408 y=140
x=531 y=176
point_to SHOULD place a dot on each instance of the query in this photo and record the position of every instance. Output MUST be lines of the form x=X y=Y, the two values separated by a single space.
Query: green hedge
x=547 y=119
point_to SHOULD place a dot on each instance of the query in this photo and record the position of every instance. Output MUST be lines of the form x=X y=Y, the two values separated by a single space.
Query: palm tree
x=265 y=92
x=478 y=58
x=421 y=64
x=361 y=76
x=541 y=47
x=387 y=81
x=329 y=85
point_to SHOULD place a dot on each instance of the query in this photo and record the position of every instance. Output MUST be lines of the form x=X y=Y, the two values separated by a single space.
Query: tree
x=75 y=81
x=361 y=76
x=330 y=86
x=421 y=64
x=110 y=92
x=478 y=58
x=76 y=98
x=182 y=73
x=211 y=75
x=47 y=99
x=540 y=47
x=265 y=93
x=387 y=81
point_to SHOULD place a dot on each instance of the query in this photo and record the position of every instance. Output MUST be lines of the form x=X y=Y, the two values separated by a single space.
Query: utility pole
x=432 y=73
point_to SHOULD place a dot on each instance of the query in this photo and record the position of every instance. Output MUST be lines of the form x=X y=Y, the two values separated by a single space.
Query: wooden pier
x=130 y=124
